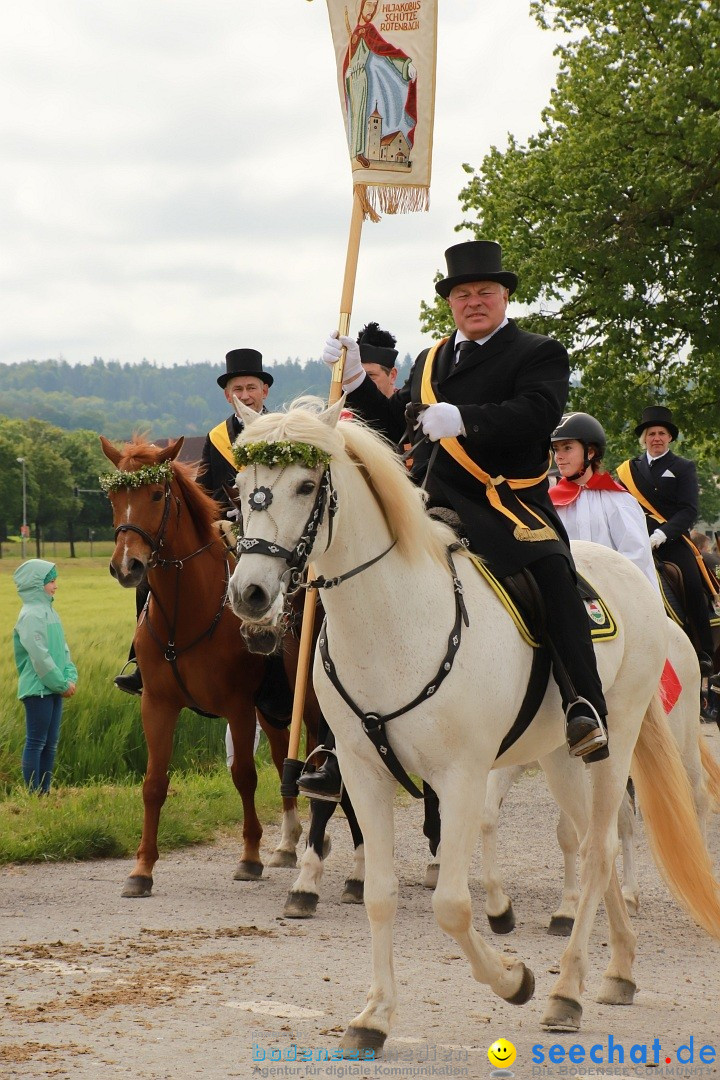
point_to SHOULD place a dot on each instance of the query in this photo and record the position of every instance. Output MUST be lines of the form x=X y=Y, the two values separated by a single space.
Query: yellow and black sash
x=500 y=490
x=221 y=441
x=624 y=471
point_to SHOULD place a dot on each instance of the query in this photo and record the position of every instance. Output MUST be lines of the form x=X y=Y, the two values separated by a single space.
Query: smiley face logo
x=501 y=1054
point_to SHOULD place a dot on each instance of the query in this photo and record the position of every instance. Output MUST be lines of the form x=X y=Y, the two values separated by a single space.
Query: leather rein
x=156 y=544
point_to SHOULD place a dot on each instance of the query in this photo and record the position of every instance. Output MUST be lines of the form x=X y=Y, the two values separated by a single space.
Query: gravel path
x=205 y=977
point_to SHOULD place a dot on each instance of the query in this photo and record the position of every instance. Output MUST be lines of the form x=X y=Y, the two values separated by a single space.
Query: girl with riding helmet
x=590 y=504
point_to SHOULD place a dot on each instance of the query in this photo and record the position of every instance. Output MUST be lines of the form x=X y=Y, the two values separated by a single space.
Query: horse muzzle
x=128 y=573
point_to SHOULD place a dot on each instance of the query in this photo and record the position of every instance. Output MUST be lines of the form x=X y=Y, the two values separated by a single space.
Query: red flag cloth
x=566 y=491
x=670 y=687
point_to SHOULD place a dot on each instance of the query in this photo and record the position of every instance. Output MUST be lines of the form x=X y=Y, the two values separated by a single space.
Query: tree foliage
x=611 y=212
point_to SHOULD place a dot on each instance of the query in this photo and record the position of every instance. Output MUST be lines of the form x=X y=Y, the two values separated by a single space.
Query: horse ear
x=111 y=452
x=248 y=416
x=172 y=450
x=331 y=415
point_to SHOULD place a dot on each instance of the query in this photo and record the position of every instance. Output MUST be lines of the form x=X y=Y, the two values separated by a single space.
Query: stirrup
x=320 y=795
x=595 y=739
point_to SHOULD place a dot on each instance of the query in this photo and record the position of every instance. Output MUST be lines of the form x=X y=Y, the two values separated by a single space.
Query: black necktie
x=463 y=348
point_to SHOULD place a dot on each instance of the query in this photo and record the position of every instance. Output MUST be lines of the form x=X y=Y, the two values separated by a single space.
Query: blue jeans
x=42 y=731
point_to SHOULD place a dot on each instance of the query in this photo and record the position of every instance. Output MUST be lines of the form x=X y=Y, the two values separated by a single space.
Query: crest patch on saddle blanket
x=602 y=624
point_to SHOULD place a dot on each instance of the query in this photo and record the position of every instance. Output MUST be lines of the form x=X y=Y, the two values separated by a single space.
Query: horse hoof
x=354 y=892
x=526 y=990
x=616 y=991
x=563 y=1014
x=300 y=905
x=137 y=885
x=431 y=875
x=561 y=926
x=286 y=860
x=503 y=924
x=369 y=1041
x=248 y=871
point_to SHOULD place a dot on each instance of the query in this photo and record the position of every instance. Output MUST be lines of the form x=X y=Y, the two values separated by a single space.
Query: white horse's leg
x=498 y=905
x=618 y=985
x=626 y=833
x=372 y=793
x=561 y=922
x=285 y=854
x=607 y=781
x=507 y=977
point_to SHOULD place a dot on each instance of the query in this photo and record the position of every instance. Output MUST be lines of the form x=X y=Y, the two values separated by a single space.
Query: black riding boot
x=132 y=683
x=326 y=782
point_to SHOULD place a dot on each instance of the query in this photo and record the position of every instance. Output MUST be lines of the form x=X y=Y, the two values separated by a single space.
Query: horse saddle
x=672 y=589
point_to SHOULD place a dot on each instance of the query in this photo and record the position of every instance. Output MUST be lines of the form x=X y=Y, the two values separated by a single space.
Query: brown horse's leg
x=244 y=775
x=159 y=720
x=285 y=854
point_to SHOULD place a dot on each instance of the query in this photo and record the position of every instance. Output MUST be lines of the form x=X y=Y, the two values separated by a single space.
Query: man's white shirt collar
x=459 y=336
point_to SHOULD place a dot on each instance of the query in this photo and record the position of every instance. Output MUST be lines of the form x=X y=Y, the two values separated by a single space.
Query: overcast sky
x=174 y=177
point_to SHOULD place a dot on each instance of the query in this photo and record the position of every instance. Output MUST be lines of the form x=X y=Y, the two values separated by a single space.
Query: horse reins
x=170 y=650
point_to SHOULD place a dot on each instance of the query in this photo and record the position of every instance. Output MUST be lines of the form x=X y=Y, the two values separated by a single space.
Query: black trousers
x=696 y=598
x=569 y=627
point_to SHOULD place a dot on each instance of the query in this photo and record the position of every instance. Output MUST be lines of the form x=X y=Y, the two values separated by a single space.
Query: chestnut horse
x=188 y=641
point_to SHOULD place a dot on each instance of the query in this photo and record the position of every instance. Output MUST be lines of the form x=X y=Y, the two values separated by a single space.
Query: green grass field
x=96 y=803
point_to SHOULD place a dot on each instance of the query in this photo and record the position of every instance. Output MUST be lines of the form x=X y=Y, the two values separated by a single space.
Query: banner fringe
x=386 y=199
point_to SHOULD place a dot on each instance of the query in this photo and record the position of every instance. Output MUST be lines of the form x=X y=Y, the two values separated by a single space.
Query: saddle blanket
x=602 y=625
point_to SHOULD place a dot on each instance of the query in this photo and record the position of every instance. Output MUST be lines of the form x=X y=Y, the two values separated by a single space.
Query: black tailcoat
x=215 y=469
x=671 y=486
x=511 y=393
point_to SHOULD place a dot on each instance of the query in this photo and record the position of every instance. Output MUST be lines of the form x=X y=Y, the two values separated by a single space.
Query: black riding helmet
x=585 y=429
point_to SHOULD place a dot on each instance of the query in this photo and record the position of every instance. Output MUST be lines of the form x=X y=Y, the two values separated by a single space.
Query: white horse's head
x=287 y=501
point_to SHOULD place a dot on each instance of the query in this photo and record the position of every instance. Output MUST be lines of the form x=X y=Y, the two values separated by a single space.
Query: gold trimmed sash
x=221 y=441
x=500 y=490
x=624 y=471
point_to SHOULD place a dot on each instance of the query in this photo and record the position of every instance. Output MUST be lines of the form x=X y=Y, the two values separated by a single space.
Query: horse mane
x=355 y=444
x=202 y=508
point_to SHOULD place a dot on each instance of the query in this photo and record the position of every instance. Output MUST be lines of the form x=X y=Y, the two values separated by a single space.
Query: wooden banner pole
x=293 y=766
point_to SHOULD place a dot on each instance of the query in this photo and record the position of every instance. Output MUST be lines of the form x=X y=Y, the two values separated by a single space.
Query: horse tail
x=712 y=772
x=671 y=822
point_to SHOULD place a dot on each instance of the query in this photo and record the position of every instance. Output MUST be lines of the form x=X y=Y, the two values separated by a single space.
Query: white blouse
x=612 y=518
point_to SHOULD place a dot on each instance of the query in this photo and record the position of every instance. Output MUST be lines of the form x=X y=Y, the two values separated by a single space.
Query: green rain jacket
x=41 y=655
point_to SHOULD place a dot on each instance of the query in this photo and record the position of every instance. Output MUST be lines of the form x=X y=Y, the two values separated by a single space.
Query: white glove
x=233 y=513
x=657 y=538
x=353 y=365
x=441 y=421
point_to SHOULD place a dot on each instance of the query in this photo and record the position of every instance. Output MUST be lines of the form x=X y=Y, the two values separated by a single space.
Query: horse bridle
x=155 y=543
x=297 y=558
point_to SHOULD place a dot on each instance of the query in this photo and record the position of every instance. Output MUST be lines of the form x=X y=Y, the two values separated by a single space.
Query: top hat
x=244 y=362
x=376 y=346
x=657 y=415
x=475 y=260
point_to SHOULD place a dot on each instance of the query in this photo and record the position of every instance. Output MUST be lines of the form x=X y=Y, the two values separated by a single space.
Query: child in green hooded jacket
x=46 y=672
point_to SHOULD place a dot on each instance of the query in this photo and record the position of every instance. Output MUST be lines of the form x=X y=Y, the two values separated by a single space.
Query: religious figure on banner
x=380 y=95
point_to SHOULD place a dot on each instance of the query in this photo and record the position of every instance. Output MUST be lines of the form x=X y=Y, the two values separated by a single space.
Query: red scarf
x=566 y=492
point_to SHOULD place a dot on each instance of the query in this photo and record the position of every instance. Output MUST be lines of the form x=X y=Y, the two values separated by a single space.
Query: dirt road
x=206 y=979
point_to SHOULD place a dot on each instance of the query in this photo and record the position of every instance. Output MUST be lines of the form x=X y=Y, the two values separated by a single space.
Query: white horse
x=702 y=770
x=361 y=510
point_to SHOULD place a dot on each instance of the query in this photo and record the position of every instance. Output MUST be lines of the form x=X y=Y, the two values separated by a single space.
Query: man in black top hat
x=666 y=487
x=493 y=394
x=245 y=379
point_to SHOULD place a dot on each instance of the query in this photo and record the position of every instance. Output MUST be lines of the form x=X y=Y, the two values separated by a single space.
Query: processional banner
x=385 y=52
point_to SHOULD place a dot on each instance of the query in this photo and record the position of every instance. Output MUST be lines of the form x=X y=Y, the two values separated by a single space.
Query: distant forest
x=119 y=399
